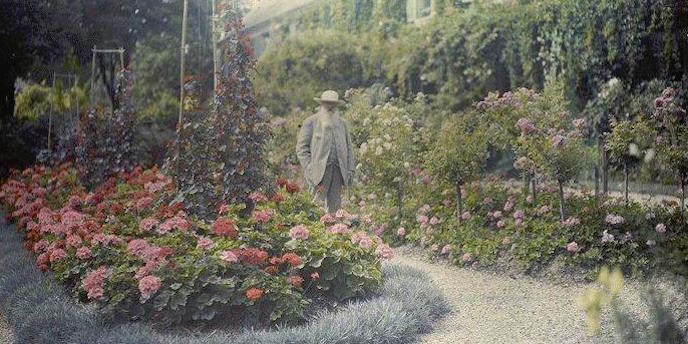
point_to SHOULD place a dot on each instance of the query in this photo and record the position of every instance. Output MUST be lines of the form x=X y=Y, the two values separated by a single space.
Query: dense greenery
x=462 y=54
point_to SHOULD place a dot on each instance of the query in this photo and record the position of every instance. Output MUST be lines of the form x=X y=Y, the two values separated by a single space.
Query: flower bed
x=40 y=312
x=500 y=227
x=129 y=247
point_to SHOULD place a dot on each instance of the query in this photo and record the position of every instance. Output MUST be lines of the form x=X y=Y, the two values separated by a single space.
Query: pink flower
x=501 y=224
x=572 y=222
x=424 y=209
x=93 y=282
x=72 y=219
x=467 y=257
x=606 y=237
x=299 y=232
x=229 y=257
x=383 y=251
x=401 y=231
x=262 y=216
x=365 y=243
x=339 y=228
x=446 y=249
x=83 y=253
x=660 y=228
x=529 y=199
x=612 y=219
x=205 y=244
x=518 y=214
x=434 y=248
x=525 y=126
x=138 y=247
x=447 y=202
x=148 y=286
x=40 y=246
x=487 y=201
x=543 y=210
x=147 y=224
x=559 y=141
x=572 y=247
x=143 y=203
x=466 y=216
x=74 y=202
x=73 y=241
x=176 y=222
x=497 y=214
x=518 y=222
x=328 y=219
x=626 y=237
x=57 y=255
x=434 y=221
x=506 y=241
x=422 y=219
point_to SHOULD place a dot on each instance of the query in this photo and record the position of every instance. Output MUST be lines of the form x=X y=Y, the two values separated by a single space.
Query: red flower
x=224 y=227
x=282 y=182
x=292 y=258
x=293 y=187
x=254 y=294
x=275 y=260
x=296 y=281
x=253 y=256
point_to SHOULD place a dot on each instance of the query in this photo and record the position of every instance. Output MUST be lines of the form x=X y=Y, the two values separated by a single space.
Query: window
x=423 y=8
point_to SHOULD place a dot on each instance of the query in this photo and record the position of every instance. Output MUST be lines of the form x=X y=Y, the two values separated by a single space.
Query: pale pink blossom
x=147 y=224
x=94 y=281
x=83 y=253
x=299 y=232
x=339 y=228
x=434 y=221
x=401 y=231
x=612 y=219
x=57 y=255
x=606 y=237
x=660 y=228
x=446 y=249
x=205 y=244
x=467 y=257
x=229 y=257
x=572 y=247
x=501 y=224
x=572 y=222
x=383 y=251
x=466 y=216
x=434 y=248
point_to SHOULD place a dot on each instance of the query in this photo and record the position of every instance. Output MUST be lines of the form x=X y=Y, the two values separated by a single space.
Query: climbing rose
x=224 y=227
x=148 y=286
x=572 y=247
x=299 y=232
x=254 y=294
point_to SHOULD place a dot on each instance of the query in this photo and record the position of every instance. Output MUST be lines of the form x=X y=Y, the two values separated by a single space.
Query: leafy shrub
x=129 y=247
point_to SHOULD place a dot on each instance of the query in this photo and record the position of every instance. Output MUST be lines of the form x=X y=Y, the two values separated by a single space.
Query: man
x=326 y=153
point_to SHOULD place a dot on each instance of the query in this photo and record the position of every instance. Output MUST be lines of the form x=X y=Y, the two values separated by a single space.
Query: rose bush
x=130 y=247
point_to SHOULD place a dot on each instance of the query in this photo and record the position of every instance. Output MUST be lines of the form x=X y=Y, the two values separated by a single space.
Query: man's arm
x=303 y=144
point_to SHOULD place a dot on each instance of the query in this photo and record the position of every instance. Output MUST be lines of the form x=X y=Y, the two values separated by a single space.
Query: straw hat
x=329 y=96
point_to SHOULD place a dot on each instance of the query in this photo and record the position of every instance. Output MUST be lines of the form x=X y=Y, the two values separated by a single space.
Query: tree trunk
x=562 y=210
x=459 y=203
x=625 y=172
x=533 y=185
x=605 y=173
x=400 y=199
x=683 y=193
x=597 y=182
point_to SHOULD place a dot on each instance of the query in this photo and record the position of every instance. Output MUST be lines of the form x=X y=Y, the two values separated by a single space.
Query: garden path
x=5 y=331
x=497 y=308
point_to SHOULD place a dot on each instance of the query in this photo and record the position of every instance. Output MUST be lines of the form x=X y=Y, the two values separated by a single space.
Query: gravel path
x=491 y=308
x=5 y=332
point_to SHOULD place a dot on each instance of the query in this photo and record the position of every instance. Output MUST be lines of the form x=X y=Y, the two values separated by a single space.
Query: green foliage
x=315 y=61
x=38 y=100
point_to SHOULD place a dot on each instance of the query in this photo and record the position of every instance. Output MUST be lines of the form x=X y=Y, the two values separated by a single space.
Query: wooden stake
x=181 y=68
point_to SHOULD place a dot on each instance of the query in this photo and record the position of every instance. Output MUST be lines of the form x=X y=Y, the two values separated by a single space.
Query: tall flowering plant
x=458 y=155
x=628 y=144
x=672 y=137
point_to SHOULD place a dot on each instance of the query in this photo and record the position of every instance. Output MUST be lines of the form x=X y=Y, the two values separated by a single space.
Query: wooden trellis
x=97 y=51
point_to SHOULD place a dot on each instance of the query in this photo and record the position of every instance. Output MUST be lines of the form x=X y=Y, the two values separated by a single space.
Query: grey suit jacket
x=313 y=148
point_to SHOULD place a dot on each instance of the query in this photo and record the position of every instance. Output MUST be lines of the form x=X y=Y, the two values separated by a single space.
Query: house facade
x=267 y=14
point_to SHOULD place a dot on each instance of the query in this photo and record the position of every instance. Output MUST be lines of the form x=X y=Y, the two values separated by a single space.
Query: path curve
x=492 y=308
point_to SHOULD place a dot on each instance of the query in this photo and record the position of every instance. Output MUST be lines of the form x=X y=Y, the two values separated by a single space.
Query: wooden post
x=93 y=74
x=121 y=57
x=50 y=116
x=214 y=42
x=181 y=68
